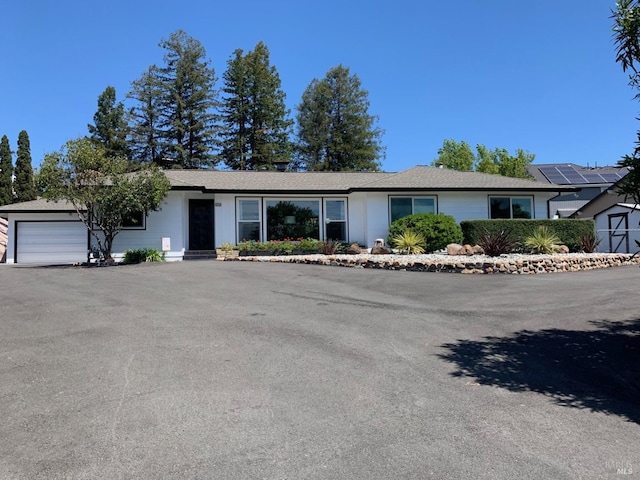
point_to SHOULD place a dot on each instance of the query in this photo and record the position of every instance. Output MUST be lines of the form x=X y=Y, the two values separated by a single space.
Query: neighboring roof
x=609 y=197
x=572 y=174
x=416 y=178
x=36 y=206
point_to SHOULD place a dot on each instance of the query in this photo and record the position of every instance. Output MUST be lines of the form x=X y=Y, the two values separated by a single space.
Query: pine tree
x=145 y=136
x=6 y=171
x=335 y=130
x=110 y=129
x=256 y=125
x=24 y=185
x=187 y=100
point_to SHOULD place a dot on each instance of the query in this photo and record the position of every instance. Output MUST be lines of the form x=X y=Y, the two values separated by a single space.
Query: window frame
x=326 y=221
x=141 y=226
x=511 y=198
x=238 y=220
x=413 y=198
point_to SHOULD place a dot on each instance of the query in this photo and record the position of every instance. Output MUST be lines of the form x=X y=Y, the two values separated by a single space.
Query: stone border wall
x=511 y=264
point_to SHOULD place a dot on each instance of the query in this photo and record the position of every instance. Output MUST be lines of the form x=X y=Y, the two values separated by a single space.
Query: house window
x=335 y=219
x=293 y=219
x=249 y=219
x=403 y=206
x=134 y=221
x=510 y=207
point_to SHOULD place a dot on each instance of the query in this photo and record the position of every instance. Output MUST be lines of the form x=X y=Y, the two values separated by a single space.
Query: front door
x=201 y=225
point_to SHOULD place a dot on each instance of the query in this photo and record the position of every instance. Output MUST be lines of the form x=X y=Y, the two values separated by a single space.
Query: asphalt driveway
x=233 y=370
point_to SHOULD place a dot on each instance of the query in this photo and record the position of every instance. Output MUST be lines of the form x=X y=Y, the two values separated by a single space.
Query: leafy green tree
x=514 y=166
x=101 y=188
x=256 y=127
x=455 y=156
x=110 y=129
x=24 y=186
x=335 y=130
x=187 y=99
x=6 y=172
x=145 y=135
x=459 y=156
x=486 y=160
x=626 y=29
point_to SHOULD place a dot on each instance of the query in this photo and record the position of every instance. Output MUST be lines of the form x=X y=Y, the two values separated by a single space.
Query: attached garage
x=51 y=242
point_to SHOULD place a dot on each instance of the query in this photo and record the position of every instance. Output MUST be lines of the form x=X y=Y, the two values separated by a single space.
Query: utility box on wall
x=166 y=244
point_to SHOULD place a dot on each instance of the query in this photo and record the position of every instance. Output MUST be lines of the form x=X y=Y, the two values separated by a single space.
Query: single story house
x=206 y=208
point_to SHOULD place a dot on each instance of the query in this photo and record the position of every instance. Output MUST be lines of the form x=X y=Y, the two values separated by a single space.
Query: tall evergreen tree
x=24 y=185
x=145 y=136
x=187 y=100
x=256 y=128
x=335 y=130
x=110 y=129
x=6 y=171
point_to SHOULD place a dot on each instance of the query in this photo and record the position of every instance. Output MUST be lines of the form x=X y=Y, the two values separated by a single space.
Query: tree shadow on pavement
x=596 y=369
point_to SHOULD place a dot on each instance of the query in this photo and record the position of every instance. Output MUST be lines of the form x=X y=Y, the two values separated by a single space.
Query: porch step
x=200 y=255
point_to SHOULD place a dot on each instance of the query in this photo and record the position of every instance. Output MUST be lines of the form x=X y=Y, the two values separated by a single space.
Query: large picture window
x=510 y=207
x=293 y=219
x=403 y=206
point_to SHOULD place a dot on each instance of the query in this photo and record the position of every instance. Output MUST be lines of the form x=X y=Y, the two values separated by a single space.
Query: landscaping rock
x=380 y=250
x=453 y=248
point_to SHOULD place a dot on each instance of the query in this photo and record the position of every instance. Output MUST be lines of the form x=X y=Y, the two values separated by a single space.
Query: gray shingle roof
x=39 y=205
x=416 y=178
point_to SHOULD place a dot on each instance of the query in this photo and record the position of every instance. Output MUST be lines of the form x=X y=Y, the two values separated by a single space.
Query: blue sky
x=536 y=75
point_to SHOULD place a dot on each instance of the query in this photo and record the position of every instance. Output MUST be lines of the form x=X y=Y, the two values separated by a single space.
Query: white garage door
x=51 y=242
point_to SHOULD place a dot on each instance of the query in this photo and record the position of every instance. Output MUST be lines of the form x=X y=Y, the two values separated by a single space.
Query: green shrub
x=438 y=230
x=568 y=231
x=408 y=242
x=495 y=244
x=139 y=255
x=543 y=240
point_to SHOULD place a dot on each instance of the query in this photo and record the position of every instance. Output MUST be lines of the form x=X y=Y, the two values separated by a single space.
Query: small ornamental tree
x=438 y=229
x=102 y=189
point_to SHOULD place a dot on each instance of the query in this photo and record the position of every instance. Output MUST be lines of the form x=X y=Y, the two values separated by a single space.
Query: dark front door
x=201 y=225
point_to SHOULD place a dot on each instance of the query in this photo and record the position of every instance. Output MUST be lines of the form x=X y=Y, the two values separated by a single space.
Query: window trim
x=325 y=221
x=259 y=221
x=412 y=197
x=531 y=198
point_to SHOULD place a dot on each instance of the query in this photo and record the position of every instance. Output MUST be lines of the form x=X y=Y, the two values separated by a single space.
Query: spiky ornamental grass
x=543 y=241
x=409 y=242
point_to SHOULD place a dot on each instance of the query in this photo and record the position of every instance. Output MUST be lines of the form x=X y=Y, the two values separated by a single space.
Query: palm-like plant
x=409 y=242
x=543 y=240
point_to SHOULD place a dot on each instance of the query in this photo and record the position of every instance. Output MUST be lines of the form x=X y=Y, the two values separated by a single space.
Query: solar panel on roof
x=553 y=175
x=611 y=177
x=594 y=178
x=575 y=178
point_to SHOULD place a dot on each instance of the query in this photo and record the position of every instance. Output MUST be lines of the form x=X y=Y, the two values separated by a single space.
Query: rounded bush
x=438 y=230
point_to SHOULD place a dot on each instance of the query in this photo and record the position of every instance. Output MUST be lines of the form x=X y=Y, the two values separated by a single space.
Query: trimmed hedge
x=568 y=230
x=437 y=229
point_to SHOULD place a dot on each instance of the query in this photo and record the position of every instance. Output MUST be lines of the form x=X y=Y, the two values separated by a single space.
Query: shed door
x=619 y=233
x=51 y=242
